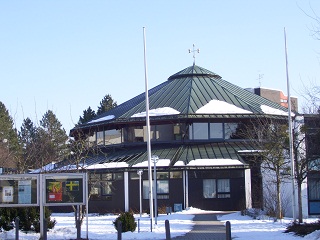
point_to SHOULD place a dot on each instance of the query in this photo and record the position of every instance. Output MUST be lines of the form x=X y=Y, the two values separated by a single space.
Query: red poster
x=55 y=192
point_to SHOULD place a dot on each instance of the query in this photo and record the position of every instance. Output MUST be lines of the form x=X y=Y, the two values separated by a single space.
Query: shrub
x=29 y=218
x=7 y=217
x=50 y=223
x=127 y=220
x=302 y=229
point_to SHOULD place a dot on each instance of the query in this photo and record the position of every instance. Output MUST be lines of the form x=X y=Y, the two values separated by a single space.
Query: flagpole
x=290 y=134
x=148 y=131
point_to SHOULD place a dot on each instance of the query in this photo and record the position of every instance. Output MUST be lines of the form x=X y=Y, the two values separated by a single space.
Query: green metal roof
x=175 y=152
x=186 y=92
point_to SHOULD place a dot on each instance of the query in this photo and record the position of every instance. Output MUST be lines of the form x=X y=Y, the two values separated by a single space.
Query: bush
x=302 y=229
x=7 y=217
x=29 y=218
x=127 y=220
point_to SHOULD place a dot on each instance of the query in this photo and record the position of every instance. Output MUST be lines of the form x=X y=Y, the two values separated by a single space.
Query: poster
x=55 y=191
x=24 y=191
x=7 y=194
x=72 y=186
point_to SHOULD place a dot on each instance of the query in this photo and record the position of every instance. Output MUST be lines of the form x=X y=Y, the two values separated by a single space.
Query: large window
x=102 y=185
x=162 y=189
x=205 y=131
x=216 y=188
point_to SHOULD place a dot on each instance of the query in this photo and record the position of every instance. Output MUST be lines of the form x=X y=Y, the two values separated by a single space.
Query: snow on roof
x=179 y=164
x=105 y=118
x=270 y=110
x=250 y=151
x=214 y=162
x=160 y=163
x=109 y=165
x=220 y=107
x=158 y=112
x=45 y=168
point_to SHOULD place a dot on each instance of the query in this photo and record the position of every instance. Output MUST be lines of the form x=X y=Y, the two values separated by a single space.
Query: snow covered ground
x=101 y=227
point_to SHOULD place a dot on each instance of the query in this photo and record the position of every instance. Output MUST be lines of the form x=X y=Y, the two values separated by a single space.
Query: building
x=276 y=96
x=204 y=161
x=312 y=123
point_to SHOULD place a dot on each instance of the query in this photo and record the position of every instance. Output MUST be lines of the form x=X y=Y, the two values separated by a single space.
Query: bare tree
x=270 y=136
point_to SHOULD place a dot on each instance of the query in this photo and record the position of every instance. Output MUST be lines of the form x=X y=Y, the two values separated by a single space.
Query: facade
x=196 y=125
x=276 y=96
x=312 y=123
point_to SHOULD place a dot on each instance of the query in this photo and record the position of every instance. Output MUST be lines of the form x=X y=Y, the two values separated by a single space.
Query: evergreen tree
x=9 y=145
x=27 y=138
x=88 y=115
x=51 y=139
x=106 y=104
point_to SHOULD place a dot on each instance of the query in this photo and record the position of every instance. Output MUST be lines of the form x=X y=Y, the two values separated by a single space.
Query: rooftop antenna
x=194 y=51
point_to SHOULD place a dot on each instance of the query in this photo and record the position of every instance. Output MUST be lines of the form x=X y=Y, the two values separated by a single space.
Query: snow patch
x=160 y=163
x=158 y=112
x=270 y=110
x=220 y=107
x=214 y=162
x=109 y=165
x=106 y=118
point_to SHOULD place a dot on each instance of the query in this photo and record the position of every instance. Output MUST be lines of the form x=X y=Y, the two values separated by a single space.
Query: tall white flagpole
x=290 y=135
x=148 y=131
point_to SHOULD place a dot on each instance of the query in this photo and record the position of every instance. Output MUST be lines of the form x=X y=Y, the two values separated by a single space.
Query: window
x=223 y=188
x=314 y=165
x=216 y=188
x=100 y=138
x=101 y=185
x=162 y=186
x=216 y=130
x=106 y=188
x=200 y=131
x=176 y=174
x=162 y=175
x=162 y=189
x=145 y=189
x=95 y=189
x=112 y=136
x=204 y=131
x=230 y=130
x=314 y=189
x=209 y=188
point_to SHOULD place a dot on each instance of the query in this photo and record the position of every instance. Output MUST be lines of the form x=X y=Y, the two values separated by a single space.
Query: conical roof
x=194 y=90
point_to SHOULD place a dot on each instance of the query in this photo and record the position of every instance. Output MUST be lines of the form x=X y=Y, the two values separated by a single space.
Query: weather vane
x=194 y=51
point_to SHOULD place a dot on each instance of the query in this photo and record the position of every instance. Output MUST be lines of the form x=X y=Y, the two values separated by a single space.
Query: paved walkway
x=206 y=227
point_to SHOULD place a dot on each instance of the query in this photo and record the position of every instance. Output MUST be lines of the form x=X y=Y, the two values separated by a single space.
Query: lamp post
x=155 y=159
x=139 y=172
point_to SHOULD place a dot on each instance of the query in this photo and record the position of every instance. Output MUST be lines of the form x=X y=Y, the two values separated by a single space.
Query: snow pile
x=157 y=112
x=220 y=107
x=245 y=227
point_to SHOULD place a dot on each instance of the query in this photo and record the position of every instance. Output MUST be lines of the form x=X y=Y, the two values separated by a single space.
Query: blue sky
x=67 y=55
